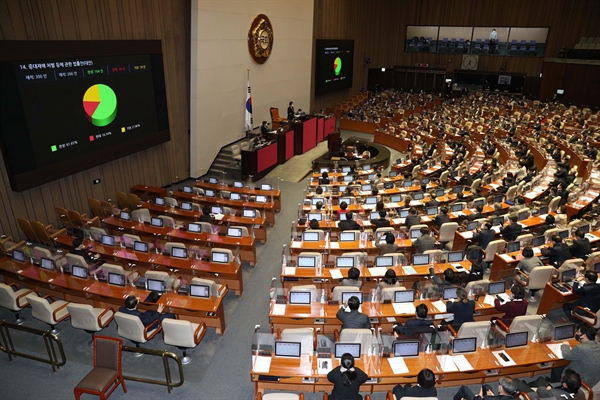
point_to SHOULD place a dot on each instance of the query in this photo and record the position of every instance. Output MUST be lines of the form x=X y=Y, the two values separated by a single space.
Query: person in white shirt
x=493 y=35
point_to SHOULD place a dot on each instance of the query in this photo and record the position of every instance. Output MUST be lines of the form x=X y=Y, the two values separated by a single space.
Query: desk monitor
x=79 y=272
x=396 y=198
x=299 y=297
x=344 y=262
x=366 y=167
x=202 y=291
x=522 y=215
x=439 y=192
x=348 y=178
x=116 y=279
x=404 y=213
x=488 y=180
x=457 y=207
x=464 y=345
x=568 y=275
x=213 y=180
x=216 y=210
x=560 y=91
x=564 y=332
x=249 y=213
x=347 y=169
x=585 y=228
x=186 y=205
x=156 y=222
x=418 y=196
x=538 y=241
x=187 y=189
x=563 y=234
x=388 y=185
x=517 y=339
x=108 y=240
x=432 y=210
x=347 y=295
x=393 y=174
x=155 y=285
x=347 y=236
x=323 y=169
x=472 y=225
x=47 y=263
x=366 y=188
x=450 y=292
x=513 y=246
x=408 y=348
x=18 y=255
x=219 y=257
x=457 y=189
x=342 y=216
x=306 y=262
x=371 y=177
x=404 y=296
x=597 y=267
x=498 y=221
x=179 y=252
x=455 y=173
x=371 y=200
x=384 y=261
x=420 y=259
x=159 y=201
x=308 y=236
x=234 y=232
x=498 y=198
x=260 y=199
x=196 y=228
x=347 y=200
x=125 y=216
x=496 y=287
x=235 y=196
x=343 y=348
x=478 y=203
x=209 y=193
x=141 y=247
x=287 y=349
x=407 y=157
x=543 y=210
x=425 y=181
x=415 y=234
x=407 y=183
x=526 y=189
x=238 y=184
x=456 y=256
x=266 y=186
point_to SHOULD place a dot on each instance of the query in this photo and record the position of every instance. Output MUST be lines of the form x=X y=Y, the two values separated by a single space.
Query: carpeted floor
x=220 y=368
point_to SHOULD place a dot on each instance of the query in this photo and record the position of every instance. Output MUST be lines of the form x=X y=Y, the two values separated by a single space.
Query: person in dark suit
x=389 y=246
x=485 y=236
x=148 y=317
x=290 y=111
x=324 y=179
x=351 y=317
x=569 y=388
x=381 y=222
x=424 y=242
x=590 y=295
x=264 y=128
x=346 y=379
x=512 y=230
x=443 y=217
x=420 y=321
x=581 y=247
x=413 y=218
x=80 y=250
x=558 y=253
x=205 y=217
x=478 y=215
x=549 y=224
x=515 y=307
x=462 y=309
x=348 y=224
x=425 y=387
x=507 y=389
x=434 y=201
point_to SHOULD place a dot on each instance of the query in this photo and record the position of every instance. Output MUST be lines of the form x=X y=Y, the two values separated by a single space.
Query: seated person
x=485 y=236
x=433 y=202
x=313 y=225
x=463 y=309
x=346 y=379
x=80 y=249
x=512 y=229
x=205 y=217
x=478 y=214
x=343 y=208
x=413 y=218
x=351 y=317
x=549 y=224
x=348 y=224
x=589 y=292
x=420 y=320
x=148 y=317
x=389 y=279
x=529 y=261
x=569 y=388
x=319 y=205
x=558 y=253
x=519 y=205
x=324 y=179
x=424 y=242
x=353 y=278
x=581 y=247
x=389 y=246
x=318 y=192
x=507 y=390
x=381 y=222
x=515 y=307
x=442 y=217
x=425 y=387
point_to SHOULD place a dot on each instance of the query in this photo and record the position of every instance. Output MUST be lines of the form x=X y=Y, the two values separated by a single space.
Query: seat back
x=511 y=193
x=96 y=207
x=362 y=336
x=158 y=275
x=447 y=231
x=539 y=276
x=41 y=309
x=384 y=229
x=107 y=352
x=170 y=201
x=107 y=208
x=205 y=227
x=526 y=323
x=39 y=252
x=97 y=233
x=169 y=246
x=8 y=298
x=141 y=215
x=307 y=288
x=492 y=248
x=306 y=336
x=178 y=332
x=435 y=255
x=388 y=293
x=338 y=290
x=113 y=269
x=399 y=258
x=76 y=259
x=478 y=329
x=83 y=317
x=122 y=201
x=76 y=219
x=40 y=232
x=168 y=221
x=128 y=238
x=133 y=200
x=130 y=327
x=477 y=287
x=63 y=217
x=553 y=205
x=213 y=287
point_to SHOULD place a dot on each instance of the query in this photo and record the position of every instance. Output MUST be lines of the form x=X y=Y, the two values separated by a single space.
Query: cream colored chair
x=76 y=259
x=169 y=246
x=88 y=318
x=168 y=222
x=536 y=280
x=553 y=205
x=183 y=334
x=586 y=316
x=97 y=233
x=477 y=287
x=477 y=329
x=50 y=313
x=522 y=323
x=281 y=396
x=336 y=295
x=350 y=335
x=170 y=202
x=213 y=287
x=312 y=289
x=305 y=336
x=14 y=300
x=493 y=247
x=141 y=215
x=131 y=327
x=399 y=258
x=388 y=293
x=447 y=231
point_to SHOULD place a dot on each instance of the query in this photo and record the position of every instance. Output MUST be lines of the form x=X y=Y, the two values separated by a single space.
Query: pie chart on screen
x=100 y=105
x=337 y=66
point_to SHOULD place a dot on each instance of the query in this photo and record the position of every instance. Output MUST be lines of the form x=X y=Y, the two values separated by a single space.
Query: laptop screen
x=478 y=203
x=404 y=296
x=498 y=199
x=568 y=275
x=344 y=262
x=348 y=178
x=155 y=285
x=498 y=221
x=156 y=222
x=220 y=257
x=235 y=196
x=450 y=293
x=186 y=206
x=597 y=267
x=238 y=184
x=306 y=262
x=439 y=193
x=472 y=225
x=213 y=180
x=366 y=188
x=266 y=186
x=347 y=295
x=564 y=233
x=457 y=207
x=415 y=234
x=538 y=241
x=234 y=232
x=407 y=183
x=425 y=181
x=249 y=213
x=366 y=167
x=116 y=279
x=47 y=263
x=317 y=216
x=216 y=210
x=79 y=272
x=543 y=210
x=159 y=201
x=564 y=332
x=418 y=196
x=199 y=291
x=346 y=169
x=299 y=297
x=432 y=211
x=393 y=174
x=323 y=169
x=457 y=189
x=513 y=246
x=396 y=198
x=287 y=349
x=350 y=348
x=406 y=348
x=108 y=240
x=346 y=200
x=347 y=236
x=179 y=252
x=420 y=259
x=403 y=213
x=309 y=236
x=125 y=216
x=523 y=215
x=194 y=227
x=455 y=256
x=18 y=255
x=371 y=200
x=496 y=287
x=187 y=189
x=517 y=339
x=142 y=247
x=464 y=345
x=261 y=199
x=388 y=185
x=209 y=193
x=384 y=261
x=585 y=228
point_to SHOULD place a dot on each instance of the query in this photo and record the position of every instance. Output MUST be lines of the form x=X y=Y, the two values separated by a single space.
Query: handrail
x=165 y=356
x=7 y=346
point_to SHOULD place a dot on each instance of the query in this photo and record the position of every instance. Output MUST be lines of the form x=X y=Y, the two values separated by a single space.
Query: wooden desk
x=553 y=298
x=338 y=248
x=103 y=295
x=305 y=134
x=245 y=190
x=259 y=162
x=247 y=244
x=145 y=190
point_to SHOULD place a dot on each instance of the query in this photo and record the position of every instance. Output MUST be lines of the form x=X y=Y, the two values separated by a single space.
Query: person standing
x=290 y=111
x=346 y=379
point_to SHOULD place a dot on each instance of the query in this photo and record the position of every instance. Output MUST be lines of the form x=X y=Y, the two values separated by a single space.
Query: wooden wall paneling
x=6 y=28
x=57 y=200
x=47 y=203
x=8 y=221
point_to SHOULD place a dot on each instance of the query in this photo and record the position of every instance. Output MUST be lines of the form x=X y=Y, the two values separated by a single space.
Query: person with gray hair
x=507 y=388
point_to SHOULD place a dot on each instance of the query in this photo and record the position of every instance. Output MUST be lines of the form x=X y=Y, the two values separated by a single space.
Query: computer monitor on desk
x=108 y=240
x=220 y=257
x=79 y=272
x=186 y=205
x=201 y=291
x=306 y=262
x=116 y=279
x=498 y=221
x=415 y=234
x=456 y=256
x=18 y=255
x=216 y=210
x=287 y=349
x=563 y=234
x=384 y=261
x=299 y=297
x=513 y=246
x=403 y=212
x=420 y=259
x=47 y=264
x=538 y=241
x=238 y=184
x=450 y=293
x=496 y=287
x=432 y=210
x=564 y=332
x=370 y=200
x=516 y=339
x=457 y=207
x=141 y=247
x=347 y=295
x=309 y=236
x=187 y=189
x=318 y=216
x=409 y=348
x=464 y=345
x=404 y=296
x=347 y=236
x=249 y=214
x=194 y=227
x=344 y=262
x=350 y=348
x=159 y=201
x=212 y=180
x=179 y=252
x=156 y=222
x=156 y=285
x=568 y=275
x=124 y=215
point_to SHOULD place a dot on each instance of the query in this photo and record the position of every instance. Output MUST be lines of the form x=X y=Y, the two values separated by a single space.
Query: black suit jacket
x=290 y=112
x=590 y=296
x=581 y=248
x=441 y=219
x=380 y=223
x=432 y=203
x=413 y=391
x=348 y=226
x=147 y=317
x=473 y=217
x=511 y=232
x=83 y=254
x=558 y=254
x=412 y=220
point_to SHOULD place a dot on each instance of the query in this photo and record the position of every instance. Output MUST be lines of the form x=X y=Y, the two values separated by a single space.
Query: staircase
x=224 y=162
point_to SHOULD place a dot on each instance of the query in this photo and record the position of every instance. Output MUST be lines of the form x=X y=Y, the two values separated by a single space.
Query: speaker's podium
x=305 y=134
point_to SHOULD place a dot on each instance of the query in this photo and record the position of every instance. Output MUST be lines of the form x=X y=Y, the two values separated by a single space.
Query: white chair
x=435 y=255
x=553 y=205
x=213 y=287
x=537 y=279
x=384 y=229
x=170 y=201
x=586 y=316
x=112 y=268
x=88 y=318
x=350 y=335
x=168 y=222
x=320 y=232
x=359 y=257
x=477 y=287
x=493 y=247
x=205 y=227
x=477 y=329
x=447 y=231
x=141 y=215
x=157 y=275
x=511 y=193
x=15 y=301
x=338 y=290
x=306 y=337
x=312 y=289
x=279 y=396
x=198 y=191
x=388 y=293
x=245 y=146
x=551 y=232
x=522 y=323
x=97 y=233
x=476 y=183
x=50 y=313
x=76 y=259
x=169 y=246
x=129 y=239
x=399 y=258
x=131 y=327
x=183 y=334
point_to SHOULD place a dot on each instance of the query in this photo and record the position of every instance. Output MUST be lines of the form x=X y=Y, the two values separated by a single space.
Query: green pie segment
x=337 y=66
x=100 y=105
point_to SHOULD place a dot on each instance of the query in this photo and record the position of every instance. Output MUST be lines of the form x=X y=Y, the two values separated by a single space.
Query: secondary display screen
x=334 y=65
x=78 y=104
